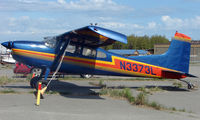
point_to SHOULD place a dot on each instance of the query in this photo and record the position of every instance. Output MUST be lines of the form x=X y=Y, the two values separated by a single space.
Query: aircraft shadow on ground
x=71 y=90
x=66 y=89
x=168 y=88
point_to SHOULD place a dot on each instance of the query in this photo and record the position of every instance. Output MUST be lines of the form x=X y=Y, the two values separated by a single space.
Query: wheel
x=86 y=76
x=191 y=86
x=36 y=71
x=33 y=82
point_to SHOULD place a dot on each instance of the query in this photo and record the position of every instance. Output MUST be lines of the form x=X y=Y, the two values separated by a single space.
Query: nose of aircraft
x=8 y=44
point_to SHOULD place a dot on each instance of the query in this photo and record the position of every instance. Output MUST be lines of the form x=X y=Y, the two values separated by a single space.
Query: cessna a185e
x=78 y=52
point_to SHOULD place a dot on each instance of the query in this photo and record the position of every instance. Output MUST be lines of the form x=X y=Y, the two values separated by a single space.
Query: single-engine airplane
x=78 y=52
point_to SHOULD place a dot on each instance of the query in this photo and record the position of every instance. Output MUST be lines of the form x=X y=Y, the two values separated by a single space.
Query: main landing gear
x=37 y=77
x=190 y=85
x=34 y=82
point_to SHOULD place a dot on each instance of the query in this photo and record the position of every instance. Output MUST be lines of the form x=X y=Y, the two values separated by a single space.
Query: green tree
x=139 y=42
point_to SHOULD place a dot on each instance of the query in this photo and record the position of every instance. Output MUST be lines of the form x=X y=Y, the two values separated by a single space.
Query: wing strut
x=55 y=62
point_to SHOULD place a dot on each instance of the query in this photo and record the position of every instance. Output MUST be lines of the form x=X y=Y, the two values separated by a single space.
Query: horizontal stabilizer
x=190 y=75
x=175 y=75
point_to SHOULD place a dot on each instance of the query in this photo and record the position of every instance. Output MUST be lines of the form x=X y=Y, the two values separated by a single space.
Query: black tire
x=33 y=82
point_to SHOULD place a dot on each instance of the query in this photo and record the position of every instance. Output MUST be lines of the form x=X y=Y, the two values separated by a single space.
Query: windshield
x=50 y=41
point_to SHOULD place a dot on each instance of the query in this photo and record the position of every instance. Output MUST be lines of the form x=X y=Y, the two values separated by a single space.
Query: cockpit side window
x=89 y=52
x=101 y=54
x=71 y=48
x=81 y=50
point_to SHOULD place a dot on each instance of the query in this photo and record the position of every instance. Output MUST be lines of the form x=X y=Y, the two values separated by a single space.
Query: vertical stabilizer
x=178 y=54
x=177 y=57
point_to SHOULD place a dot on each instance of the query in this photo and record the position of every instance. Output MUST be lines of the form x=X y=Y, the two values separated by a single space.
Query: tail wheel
x=86 y=75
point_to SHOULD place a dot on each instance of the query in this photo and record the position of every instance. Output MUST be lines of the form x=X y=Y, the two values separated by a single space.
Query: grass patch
x=149 y=90
x=8 y=91
x=155 y=105
x=175 y=109
x=144 y=90
x=100 y=84
x=178 y=84
x=182 y=110
x=5 y=80
x=155 y=89
x=125 y=93
x=141 y=99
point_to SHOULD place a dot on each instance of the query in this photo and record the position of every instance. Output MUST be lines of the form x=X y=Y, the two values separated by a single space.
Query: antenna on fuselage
x=95 y=24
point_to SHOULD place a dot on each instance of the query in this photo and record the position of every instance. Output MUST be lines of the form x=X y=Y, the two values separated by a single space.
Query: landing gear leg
x=46 y=73
x=190 y=85
x=33 y=81
x=44 y=82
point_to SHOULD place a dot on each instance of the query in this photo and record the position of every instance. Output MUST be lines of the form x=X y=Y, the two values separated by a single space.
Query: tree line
x=139 y=42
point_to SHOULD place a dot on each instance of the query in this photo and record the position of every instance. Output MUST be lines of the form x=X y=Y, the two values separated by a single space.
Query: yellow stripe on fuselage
x=50 y=57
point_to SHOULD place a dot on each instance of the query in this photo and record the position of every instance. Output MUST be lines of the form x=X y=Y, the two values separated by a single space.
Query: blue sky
x=35 y=19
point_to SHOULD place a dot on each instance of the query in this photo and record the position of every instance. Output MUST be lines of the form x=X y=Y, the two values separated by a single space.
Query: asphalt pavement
x=81 y=101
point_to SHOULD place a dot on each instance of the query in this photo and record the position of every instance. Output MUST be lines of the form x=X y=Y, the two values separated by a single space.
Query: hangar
x=194 y=51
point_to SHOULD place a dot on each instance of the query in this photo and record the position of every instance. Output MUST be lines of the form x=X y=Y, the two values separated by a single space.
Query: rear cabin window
x=101 y=54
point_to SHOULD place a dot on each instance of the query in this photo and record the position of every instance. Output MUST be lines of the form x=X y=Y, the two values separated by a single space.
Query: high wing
x=93 y=36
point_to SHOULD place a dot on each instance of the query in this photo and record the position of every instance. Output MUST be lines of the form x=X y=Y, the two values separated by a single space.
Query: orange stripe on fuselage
x=118 y=64
x=34 y=53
